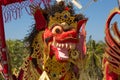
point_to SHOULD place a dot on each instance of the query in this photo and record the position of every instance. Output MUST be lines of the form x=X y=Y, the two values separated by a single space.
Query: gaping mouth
x=62 y=50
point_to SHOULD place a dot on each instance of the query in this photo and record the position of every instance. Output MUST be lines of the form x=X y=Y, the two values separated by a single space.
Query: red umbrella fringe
x=14 y=10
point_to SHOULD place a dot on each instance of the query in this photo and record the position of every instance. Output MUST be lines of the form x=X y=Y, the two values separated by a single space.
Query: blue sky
x=97 y=14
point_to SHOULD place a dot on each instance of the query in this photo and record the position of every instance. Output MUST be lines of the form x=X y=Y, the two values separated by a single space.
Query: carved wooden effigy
x=111 y=61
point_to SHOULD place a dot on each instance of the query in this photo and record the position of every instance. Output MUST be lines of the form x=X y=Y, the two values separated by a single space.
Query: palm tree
x=94 y=59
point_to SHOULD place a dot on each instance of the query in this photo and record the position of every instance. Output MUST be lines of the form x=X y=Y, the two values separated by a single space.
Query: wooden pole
x=119 y=4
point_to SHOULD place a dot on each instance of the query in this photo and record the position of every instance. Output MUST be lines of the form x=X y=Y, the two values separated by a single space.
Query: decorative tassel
x=13 y=11
x=46 y=3
x=40 y=20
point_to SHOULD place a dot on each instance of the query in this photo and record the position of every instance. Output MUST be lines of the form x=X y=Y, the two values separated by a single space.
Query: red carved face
x=62 y=38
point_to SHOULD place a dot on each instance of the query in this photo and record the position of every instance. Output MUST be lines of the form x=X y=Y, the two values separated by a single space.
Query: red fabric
x=110 y=75
x=39 y=70
x=82 y=41
x=5 y=2
x=5 y=69
x=4 y=56
x=2 y=38
x=20 y=77
x=40 y=20
x=2 y=35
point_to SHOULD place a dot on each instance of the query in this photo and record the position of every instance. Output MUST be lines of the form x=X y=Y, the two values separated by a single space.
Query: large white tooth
x=62 y=45
x=57 y=45
x=66 y=45
x=72 y=46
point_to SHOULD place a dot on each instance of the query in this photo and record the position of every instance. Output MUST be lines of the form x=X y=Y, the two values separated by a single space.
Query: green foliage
x=17 y=52
x=92 y=67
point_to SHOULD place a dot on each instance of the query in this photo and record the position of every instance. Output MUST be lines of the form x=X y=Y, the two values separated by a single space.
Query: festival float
x=57 y=42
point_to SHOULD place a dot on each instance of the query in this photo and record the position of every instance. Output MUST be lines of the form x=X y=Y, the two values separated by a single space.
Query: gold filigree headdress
x=59 y=18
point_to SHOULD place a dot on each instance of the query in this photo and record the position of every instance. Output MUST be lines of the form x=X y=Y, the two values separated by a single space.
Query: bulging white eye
x=57 y=30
